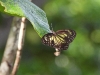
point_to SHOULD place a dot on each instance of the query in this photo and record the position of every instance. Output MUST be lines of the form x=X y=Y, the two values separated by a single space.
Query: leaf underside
x=25 y=8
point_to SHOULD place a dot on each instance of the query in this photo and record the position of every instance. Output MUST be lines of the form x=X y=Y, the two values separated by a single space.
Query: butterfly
x=60 y=39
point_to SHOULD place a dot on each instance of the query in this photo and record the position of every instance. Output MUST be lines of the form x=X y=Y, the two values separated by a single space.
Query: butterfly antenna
x=51 y=27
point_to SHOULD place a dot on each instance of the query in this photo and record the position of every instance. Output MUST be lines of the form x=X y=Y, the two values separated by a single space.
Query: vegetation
x=83 y=54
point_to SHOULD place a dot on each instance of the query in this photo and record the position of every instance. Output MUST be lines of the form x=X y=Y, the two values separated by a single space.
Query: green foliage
x=83 y=54
x=33 y=13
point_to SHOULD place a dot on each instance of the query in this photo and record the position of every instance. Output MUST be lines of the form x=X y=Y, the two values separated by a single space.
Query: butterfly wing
x=54 y=41
x=48 y=39
x=59 y=40
x=68 y=35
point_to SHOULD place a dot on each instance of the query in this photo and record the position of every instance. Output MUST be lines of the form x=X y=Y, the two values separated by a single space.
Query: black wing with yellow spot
x=59 y=40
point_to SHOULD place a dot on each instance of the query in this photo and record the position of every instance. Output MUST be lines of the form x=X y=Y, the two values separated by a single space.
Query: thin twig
x=20 y=44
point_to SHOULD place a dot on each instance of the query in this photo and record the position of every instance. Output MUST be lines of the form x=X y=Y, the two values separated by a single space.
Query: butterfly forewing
x=68 y=35
x=48 y=39
x=59 y=40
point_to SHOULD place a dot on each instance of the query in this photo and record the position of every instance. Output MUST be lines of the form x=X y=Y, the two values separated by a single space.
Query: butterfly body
x=60 y=39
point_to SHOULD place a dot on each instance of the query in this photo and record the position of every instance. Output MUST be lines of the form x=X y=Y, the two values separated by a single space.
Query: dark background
x=83 y=54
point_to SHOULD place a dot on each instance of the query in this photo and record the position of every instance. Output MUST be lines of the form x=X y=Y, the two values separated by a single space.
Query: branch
x=11 y=47
x=20 y=44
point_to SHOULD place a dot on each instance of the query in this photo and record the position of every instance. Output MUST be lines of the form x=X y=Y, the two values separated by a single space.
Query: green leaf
x=36 y=16
x=33 y=13
x=11 y=7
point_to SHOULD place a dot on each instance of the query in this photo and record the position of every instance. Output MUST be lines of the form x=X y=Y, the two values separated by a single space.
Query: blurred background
x=83 y=54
